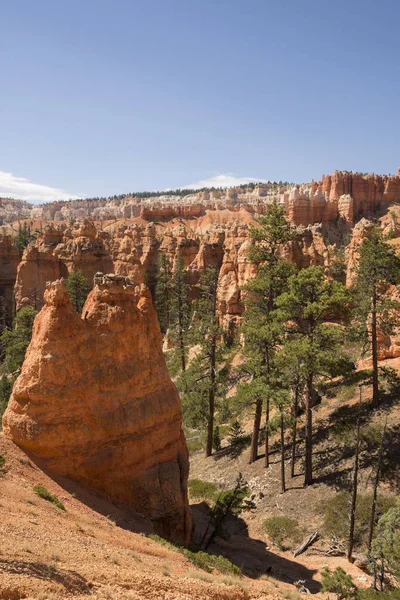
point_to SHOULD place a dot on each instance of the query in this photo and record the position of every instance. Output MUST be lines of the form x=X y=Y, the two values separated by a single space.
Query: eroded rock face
x=95 y=402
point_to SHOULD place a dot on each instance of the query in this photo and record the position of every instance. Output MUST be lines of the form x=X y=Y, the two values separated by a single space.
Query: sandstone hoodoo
x=95 y=403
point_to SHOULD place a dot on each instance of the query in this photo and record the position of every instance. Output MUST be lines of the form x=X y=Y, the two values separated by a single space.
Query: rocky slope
x=94 y=402
x=88 y=550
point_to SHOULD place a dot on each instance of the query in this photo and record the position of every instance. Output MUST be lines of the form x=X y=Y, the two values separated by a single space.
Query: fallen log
x=310 y=540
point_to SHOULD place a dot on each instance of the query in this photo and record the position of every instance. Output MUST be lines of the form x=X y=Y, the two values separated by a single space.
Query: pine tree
x=5 y=392
x=378 y=268
x=261 y=328
x=216 y=439
x=23 y=236
x=180 y=311
x=17 y=340
x=162 y=295
x=202 y=381
x=386 y=545
x=78 y=289
x=310 y=301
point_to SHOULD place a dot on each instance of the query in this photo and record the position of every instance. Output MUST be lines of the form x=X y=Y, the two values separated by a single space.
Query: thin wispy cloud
x=223 y=180
x=21 y=188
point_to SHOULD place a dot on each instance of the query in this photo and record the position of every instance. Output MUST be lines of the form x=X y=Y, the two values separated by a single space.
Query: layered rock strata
x=95 y=403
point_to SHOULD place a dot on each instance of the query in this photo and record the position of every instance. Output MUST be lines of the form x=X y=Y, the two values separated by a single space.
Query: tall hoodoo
x=94 y=401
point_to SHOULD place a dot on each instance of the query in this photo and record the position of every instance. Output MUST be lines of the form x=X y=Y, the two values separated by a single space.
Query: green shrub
x=208 y=562
x=44 y=493
x=2 y=463
x=371 y=594
x=336 y=514
x=339 y=583
x=202 y=560
x=281 y=529
x=216 y=439
x=6 y=385
x=236 y=434
x=203 y=489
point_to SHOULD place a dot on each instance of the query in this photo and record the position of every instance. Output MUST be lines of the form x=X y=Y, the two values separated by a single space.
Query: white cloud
x=23 y=189
x=224 y=181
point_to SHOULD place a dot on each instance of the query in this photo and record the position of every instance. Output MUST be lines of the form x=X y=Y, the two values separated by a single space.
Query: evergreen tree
x=78 y=290
x=386 y=546
x=16 y=341
x=180 y=311
x=310 y=301
x=216 y=439
x=162 y=294
x=201 y=382
x=23 y=236
x=378 y=268
x=261 y=328
x=5 y=393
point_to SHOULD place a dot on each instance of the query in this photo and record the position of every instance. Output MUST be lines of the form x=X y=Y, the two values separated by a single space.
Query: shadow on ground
x=72 y=581
x=251 y=555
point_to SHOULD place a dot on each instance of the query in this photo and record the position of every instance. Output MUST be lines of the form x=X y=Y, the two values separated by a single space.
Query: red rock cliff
x=95 y=402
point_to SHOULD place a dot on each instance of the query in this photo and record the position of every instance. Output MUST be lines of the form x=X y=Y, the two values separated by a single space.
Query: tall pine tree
x=309 y=303
x=378 y=268
x=179 y=312
x=162 y=295
x=201 y=381
x=261 y=328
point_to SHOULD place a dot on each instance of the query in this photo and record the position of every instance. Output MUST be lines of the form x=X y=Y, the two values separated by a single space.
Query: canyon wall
x=343 y=195
x=133 y=250
x=95 y=403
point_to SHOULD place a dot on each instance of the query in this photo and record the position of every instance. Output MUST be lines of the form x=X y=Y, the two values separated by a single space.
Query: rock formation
x=94 y=402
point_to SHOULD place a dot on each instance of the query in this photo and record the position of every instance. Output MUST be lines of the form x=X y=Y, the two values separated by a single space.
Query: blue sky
x=101 y=97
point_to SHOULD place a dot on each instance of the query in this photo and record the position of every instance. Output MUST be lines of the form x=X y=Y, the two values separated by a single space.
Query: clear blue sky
x=101 y=97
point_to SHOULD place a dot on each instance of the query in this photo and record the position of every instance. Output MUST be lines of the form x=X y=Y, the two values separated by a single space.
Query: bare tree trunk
x=211 y=401
x=308 y=479
x=283 y=484
x=295 y=407
x=355 y=487
x=267 y=433
x=375 y=383
x=375 y=492
x=256 y=431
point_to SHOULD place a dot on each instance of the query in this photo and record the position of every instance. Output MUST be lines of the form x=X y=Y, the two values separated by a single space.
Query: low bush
x=203 y=489
x=44 y=493
x=339 y=583
x=3 y=469
x=202 y=560
x=280 y=529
